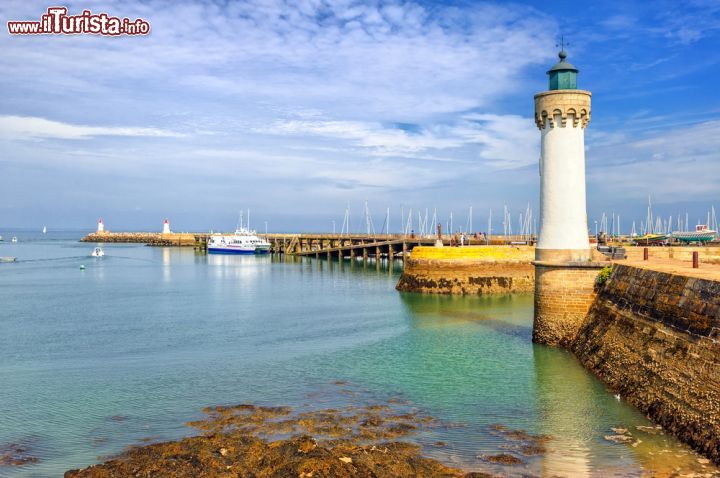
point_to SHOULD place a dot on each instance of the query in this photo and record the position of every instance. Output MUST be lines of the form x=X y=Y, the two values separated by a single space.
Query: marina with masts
x=425 y=226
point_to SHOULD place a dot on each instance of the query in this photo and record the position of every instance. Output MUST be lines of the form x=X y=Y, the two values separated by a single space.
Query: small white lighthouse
x=101 y=226
x=564 y=273
x=166 y=227
x=562 y=113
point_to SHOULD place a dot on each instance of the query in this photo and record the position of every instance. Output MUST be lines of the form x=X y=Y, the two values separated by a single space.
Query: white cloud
x=381 y=140
x=387 y=61
x=496 y=141
x=24 y=128
x=679 y=164
x=508 y=141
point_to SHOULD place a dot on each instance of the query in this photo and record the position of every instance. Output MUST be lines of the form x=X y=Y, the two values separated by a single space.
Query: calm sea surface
x=130 y=348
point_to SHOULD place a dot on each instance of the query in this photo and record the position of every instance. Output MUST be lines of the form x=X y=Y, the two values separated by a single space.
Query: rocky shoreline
x=255 y=441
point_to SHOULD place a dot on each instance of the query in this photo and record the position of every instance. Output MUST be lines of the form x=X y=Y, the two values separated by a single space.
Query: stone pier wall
x=653 y=337
x=563 y=296
x=152 y=238
x=469 y=270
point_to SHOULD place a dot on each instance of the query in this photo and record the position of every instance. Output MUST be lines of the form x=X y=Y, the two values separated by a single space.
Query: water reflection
x=167 y=274
x=567 y=411
x=574 y=408
x=238 y=266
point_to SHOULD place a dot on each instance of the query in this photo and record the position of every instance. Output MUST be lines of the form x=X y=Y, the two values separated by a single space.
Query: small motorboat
x=8 y=259
x=14 y=239
x=97 y=252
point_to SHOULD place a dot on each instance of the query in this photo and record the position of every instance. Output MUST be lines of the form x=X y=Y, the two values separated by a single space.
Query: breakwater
x=653 y=337
x=469 y=270
x=181 y=239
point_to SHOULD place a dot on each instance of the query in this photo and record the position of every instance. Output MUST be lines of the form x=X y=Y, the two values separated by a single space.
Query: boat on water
x=8 y=259
x=97 y=252
x=701 y=234
x=219 y=244
x=44 y=230
x=1 y=238
x=242 y=242
x=14 y=239
x=261 y=245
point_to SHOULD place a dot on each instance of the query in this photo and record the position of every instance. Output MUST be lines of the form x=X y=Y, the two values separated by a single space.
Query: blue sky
x=296 y=109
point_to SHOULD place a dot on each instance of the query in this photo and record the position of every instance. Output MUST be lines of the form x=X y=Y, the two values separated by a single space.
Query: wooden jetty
x=339 y=246
x=351 y=246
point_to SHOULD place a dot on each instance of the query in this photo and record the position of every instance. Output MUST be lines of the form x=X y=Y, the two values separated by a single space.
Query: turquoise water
x=136 y=344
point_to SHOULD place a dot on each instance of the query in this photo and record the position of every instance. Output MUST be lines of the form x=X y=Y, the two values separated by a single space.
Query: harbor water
x=129 y=349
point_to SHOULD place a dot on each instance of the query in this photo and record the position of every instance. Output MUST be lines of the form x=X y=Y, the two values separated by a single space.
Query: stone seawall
x=469 y=270
x=652 y=337
x=150 y=238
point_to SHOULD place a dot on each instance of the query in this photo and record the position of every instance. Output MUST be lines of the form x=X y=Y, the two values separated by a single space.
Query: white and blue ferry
x=242 y=242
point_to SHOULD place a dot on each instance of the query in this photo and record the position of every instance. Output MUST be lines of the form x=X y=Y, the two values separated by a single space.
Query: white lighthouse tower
x=562 y=113
x=564 y=274
x=166 y=227
x=101 y=226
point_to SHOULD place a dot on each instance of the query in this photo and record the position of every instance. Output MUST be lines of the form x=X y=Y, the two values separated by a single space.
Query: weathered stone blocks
x=652 y=337
x=564 y=293
x=468 y=270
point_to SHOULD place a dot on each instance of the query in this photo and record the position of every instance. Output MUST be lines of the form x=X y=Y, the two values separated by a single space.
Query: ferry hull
x=215 y=250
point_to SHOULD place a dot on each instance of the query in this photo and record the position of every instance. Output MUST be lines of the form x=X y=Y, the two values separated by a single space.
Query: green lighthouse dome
x=563 y=75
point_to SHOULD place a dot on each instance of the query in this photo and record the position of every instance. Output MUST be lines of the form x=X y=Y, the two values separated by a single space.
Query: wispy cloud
x=379 y=139
x=673 y=166
x=377 y=60
x=25 y=128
